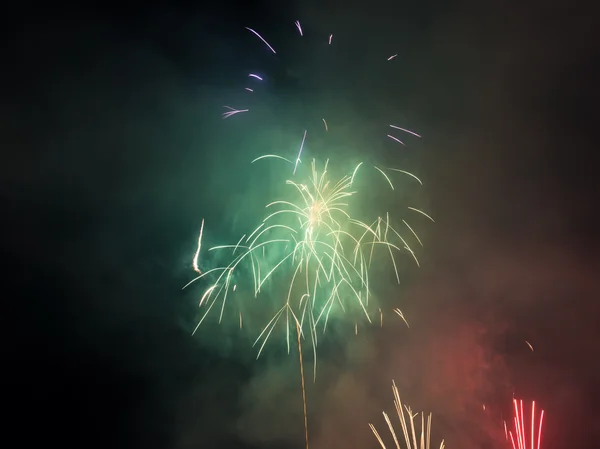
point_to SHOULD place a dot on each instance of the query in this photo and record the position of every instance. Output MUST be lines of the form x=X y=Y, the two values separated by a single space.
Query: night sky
x=114 y=150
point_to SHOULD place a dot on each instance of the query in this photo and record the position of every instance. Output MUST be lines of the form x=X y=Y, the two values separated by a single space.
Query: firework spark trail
x=424 y=441
x=195 y=260
x=297 y=23
x=396 y=139
x=258 y=77
x=520 y=439
x=262 y=39
x=300 y=152
x=232 y=111
x=406 y=130
x=299 y=333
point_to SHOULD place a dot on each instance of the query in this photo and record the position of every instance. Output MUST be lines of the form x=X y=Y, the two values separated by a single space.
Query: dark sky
x=114 y=150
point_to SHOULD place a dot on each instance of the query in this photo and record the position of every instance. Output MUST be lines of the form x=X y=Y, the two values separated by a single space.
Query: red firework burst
x=521 y=438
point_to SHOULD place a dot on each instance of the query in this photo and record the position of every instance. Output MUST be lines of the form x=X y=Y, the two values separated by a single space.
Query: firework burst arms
x=319 y=249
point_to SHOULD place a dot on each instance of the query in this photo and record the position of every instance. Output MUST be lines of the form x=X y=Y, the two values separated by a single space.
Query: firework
x=521 y=438
x=423 y=441
x=311 y=244
x=318 y=248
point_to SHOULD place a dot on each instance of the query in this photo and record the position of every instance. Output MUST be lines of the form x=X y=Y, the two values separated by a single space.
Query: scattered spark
x=330 y=37
x=406 y=173
x=529 y=344
x=232 y=111
x=401 y=315
x=255 y=76
x=392 y=57
x=249 y=90
x=325 y=123
x=396 y=139
x=297 y=23
x=385 y=176
x=406 y=131
x=262 y=39
x=266 y=156
x=299 y=152
x=195 y=260
x=422 y=213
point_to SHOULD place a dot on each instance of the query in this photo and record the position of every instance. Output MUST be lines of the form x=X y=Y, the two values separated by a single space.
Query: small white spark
x=406 y=131
x=396 y=139
x=195 y=260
